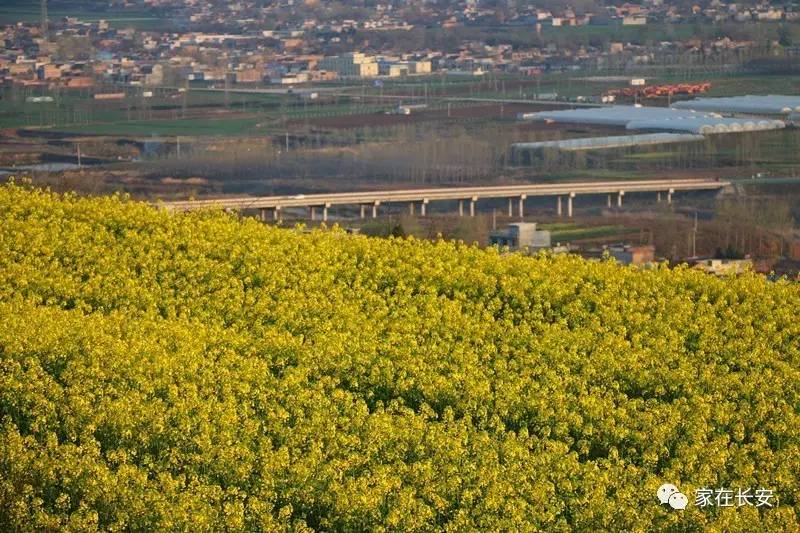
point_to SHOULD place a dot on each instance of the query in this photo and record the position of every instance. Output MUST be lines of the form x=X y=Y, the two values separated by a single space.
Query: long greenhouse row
x=664 y=119
x=619 y=141
x=757 y=105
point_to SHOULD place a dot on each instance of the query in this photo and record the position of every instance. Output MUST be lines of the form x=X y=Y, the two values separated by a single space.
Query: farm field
x=733 y=85
x=571 y=85
x=164 y=116
x=77 y=112
x=571 y=234
x=351 y=137
x=227 y=126
x=73 y=109
x=440 y=112
x=198 y=371
x=13 y=11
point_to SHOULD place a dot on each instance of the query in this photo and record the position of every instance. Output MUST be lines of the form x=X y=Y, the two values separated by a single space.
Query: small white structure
x=409 y=108
x=521 y=235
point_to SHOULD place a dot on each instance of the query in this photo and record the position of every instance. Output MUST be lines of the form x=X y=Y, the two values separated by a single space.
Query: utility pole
x=45 y=28
x=184 y=102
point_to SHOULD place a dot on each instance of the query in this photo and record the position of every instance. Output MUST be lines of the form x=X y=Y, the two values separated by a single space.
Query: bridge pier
x=375 y=209
x=263 y=213
x=325 y=212
x=363 y=211
x=658 y=197
x=620 y=194
x=411 y=208
x=312 y=213
x=569 y=204
x=558 y=205
x=522 y=198
x=461 y=208
x=423 y=206
x=669 y=195
x=510 y=207
x=608 y=201
x=472 y=203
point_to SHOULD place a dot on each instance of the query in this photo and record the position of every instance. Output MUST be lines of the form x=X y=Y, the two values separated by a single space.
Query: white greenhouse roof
x=621 y=141
x=656 y=118
x=773 y=104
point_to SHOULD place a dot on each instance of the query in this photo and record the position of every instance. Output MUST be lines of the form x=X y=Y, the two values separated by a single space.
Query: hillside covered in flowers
x=200 y=372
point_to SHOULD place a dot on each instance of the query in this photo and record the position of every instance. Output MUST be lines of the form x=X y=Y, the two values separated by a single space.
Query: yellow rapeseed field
x=197 y=372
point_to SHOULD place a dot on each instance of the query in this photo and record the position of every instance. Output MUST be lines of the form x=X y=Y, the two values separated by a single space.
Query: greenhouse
x=778 y=105
x=656 y=118
x=705 y=126
x=600 y=143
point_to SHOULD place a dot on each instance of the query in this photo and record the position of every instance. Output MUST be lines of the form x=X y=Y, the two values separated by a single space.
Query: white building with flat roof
x=354 y=65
